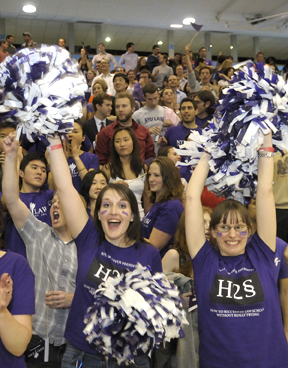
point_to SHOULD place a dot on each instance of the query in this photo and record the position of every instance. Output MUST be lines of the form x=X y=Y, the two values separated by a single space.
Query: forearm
x=188 y=63
x=198 y=178
x=14 y=335
x=80 y=167
x=10 y=182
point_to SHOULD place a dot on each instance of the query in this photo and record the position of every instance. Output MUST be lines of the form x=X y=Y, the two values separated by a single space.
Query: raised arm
x=265 y=204
x=71 y=203
x=188 y=62
x=194 y=221
x=10 y=184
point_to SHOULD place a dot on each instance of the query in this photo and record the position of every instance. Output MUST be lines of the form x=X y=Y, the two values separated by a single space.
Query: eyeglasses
x=226 y=228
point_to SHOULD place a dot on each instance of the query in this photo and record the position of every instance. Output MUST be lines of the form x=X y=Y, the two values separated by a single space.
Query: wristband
x=57 y=146
x=269 y=149
x=266 y=154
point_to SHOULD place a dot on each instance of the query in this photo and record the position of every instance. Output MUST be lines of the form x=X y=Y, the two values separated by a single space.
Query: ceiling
x=145 y=22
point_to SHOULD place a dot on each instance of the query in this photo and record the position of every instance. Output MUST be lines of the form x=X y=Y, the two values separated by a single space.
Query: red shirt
x=105 y=136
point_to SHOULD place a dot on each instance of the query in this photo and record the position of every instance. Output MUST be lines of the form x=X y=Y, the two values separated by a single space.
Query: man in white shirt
x=129 y=59
x=107 y=76
x=161 y=71
x=102 y=106
x=103 y=55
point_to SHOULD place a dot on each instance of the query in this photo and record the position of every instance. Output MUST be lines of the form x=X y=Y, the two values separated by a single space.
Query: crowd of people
x=113 y=193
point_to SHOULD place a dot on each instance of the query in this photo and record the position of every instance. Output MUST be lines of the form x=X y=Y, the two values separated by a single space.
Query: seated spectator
x=160 y=222
x=154 y=117
x=92 y=184
x=205 y=101
x=141 y=65
x=102 y=106
x=132 y=81
x=180 y=75
x=169 y=99
x=120 y=83
x=124 y=106
x=126 y=166
x=91 y=74
x=84 y=61
x=226 y=64
x=3 y=50
x=79 y=162
x=161 y=71
x=107 y=76
x=144 y=79
x=173 y=83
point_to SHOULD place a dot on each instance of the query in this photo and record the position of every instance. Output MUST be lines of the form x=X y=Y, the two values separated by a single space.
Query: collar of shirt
x=118 y=125
x=98 y=123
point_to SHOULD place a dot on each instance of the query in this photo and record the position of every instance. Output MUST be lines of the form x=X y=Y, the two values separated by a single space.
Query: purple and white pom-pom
x=133 y=314
x=42 y=90
x=255 y=102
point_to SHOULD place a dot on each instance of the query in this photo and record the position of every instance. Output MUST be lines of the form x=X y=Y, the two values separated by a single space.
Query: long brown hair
x=172 y=185
x=180 y=245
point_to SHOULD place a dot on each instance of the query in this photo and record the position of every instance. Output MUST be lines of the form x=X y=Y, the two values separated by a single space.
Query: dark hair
x=99 y=99
x=28 y=158
x=61 y=38
x=79 y=122
x=140 y=67
x=32 y=157
x=260 y=53
x=150 y=88
x=87 y=182
x=161 y=103
x=223 y=210
x=180 y=244
x=134 y=230
x=187 y=99
x=136 y=164
x=207 y=96
x=7 y=124
x=125 y=95
x=9 y=36
x=154 y=47
x=202 y=48
x=101 y=43
x=2 y=41
x=227 y=70
x=163 y=151
x=172 y=185
x=165 y=56
x=221 y=58
x=121 y=75
x=129 y=44
x=145 y=71
x=204 y=67
x=200 y=60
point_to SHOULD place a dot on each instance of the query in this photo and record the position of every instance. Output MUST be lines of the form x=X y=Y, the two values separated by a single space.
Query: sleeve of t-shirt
x=88 y=237
x=136 y=116
x=168 y=217
x=23 y=297
x=94 y=162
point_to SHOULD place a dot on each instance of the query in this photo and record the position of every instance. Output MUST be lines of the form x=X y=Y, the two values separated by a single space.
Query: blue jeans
x=74 y=356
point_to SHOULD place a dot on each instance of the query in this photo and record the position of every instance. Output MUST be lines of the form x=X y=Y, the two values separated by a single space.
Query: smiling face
x=97 y=88
x=173 y=155
x=115 y=215
x=231 y=237
x=120 y=84
x=123 y=143
x=155 y=179
x=98 y=183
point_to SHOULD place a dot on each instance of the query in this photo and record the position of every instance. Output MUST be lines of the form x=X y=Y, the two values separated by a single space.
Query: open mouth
x=56 y=215
x=114 y=223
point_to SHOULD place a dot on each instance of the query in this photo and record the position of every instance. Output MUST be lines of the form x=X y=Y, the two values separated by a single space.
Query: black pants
x=55 y=355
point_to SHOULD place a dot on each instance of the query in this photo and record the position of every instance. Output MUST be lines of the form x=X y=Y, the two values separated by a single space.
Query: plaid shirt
x=54 y=264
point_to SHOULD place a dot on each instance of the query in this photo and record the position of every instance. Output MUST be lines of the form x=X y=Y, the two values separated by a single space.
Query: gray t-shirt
x=163 y=71
x=150 y=118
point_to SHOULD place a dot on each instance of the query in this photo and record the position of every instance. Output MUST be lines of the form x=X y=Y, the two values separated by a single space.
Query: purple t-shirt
x=95 y=264
x=176 y=135
x=200 y=122
x=90 y=161
x=240 y=322
x=23 y=298
x=280 y=263
x=164 y=217
x=38 y=206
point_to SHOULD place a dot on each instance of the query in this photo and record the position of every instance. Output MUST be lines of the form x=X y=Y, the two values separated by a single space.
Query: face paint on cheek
x=219 y=234
x=103 y=212
x=125 y=213
x=243 y=233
